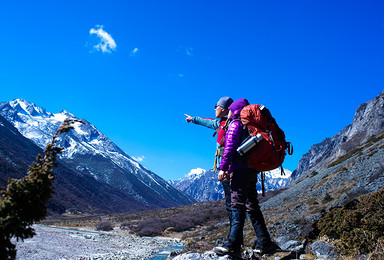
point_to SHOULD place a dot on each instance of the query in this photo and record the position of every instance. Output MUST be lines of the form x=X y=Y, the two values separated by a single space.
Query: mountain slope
x=73 y=192
x=89 y=152
x=368 y=121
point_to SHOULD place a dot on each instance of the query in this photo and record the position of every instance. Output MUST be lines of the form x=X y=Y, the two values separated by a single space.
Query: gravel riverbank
x=61 y=243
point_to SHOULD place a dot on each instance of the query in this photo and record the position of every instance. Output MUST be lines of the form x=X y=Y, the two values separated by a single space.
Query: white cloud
x=138 y=159
x=189 y=51
x=134 y=52
x=105 y=42
x=178 y=75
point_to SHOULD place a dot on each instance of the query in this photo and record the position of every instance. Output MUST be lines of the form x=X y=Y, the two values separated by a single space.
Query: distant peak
x=21 y=102
x=196 y=172
x=276 y=173
x=24 y=106
x=66 y=113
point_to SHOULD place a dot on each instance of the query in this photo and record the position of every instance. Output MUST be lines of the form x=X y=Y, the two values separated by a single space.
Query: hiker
x=243 y=189
x=219 y=125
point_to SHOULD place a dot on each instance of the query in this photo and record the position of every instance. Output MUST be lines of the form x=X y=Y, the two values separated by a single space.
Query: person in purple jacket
x=243 y=189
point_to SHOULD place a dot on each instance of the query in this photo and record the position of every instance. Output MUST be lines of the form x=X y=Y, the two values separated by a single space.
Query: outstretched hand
x=188 y=119
x=223 y=175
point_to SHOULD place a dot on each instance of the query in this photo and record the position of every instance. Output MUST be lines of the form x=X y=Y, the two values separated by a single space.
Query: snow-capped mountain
x=204 y=186
x=274 y=180
x=73 y=192
x=200 y=184
x=90 y=152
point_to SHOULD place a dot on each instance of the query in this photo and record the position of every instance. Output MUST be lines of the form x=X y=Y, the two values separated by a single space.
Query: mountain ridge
x=367 y=121
x=89 y=152
x=73 y=193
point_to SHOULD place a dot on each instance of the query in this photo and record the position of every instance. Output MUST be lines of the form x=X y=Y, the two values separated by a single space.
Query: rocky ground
x=289 y=216
x=61 y=243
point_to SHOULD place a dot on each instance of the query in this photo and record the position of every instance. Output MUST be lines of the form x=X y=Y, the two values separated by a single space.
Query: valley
x=331 y=177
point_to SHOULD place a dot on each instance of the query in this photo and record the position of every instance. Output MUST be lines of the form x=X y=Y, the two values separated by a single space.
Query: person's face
x=220 y=111
x=230 y=114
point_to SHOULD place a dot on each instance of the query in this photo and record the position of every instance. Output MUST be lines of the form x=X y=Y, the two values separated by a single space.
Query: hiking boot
x=258 y=223
x=268 y=249
x=224 y=250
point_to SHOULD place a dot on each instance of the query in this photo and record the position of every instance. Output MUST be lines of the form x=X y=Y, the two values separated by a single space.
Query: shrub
x=358 y=226
x=179 y=222
x=327 y=198
x=314 y=173
x=150 y=231
x=104 y=226
x=312 y=201
x=126 y=226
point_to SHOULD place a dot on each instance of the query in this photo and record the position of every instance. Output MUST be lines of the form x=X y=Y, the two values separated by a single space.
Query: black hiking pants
x=244 y=199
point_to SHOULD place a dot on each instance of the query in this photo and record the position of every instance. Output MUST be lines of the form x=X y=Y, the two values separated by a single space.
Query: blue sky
x=134 y=68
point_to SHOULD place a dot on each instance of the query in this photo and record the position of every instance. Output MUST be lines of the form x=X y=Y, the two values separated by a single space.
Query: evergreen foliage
x=358 y=226
x=24 y=201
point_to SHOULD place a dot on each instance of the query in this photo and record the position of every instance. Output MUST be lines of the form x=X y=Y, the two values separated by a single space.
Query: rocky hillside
x=361 y=171
x=368 y=121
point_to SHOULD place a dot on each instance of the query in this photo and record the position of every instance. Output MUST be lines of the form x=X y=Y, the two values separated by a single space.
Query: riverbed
x=63 y=243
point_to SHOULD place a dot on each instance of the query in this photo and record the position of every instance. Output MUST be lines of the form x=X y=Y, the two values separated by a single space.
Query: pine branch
x=24 y=201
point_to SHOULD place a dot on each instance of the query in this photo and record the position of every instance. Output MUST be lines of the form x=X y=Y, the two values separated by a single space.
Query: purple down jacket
x=233 y=138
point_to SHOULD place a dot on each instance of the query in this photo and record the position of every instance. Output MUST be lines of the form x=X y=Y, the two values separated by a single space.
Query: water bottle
x=249 y=144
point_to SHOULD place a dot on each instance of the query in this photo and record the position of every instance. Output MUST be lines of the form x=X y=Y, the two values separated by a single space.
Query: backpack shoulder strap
x=223 y=125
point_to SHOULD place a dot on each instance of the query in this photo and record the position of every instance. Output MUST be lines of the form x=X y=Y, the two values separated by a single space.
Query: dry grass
x=199 y=237
x=357 y=226
x=205 y=212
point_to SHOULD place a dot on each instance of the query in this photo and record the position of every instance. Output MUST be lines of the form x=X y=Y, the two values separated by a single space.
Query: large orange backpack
x=270 y=152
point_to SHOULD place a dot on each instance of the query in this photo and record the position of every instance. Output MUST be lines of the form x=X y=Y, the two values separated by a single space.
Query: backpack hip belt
x=219 y=153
